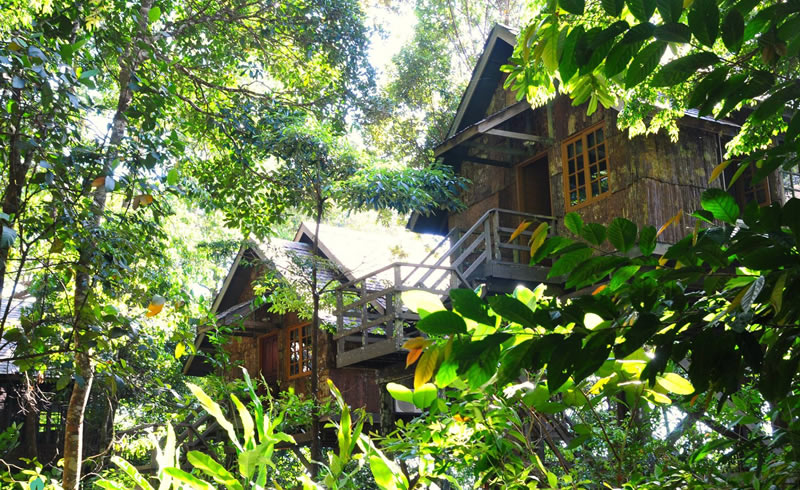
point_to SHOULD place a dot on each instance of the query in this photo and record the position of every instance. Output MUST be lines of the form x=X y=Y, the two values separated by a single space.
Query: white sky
x=398 y=27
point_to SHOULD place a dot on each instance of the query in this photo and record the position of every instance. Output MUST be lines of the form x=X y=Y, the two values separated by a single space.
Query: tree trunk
x=316 y=450
x=81 y=389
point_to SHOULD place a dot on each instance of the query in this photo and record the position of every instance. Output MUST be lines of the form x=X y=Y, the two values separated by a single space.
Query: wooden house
x=534 y=164
x=277 y=345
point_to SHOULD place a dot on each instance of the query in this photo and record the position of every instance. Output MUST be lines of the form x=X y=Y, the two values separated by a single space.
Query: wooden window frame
x=582 y=136
x=793 y=174
x=299 y=327
x=261 y=339
x=744 y=191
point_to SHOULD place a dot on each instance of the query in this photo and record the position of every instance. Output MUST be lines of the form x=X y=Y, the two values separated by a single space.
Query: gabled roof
x=485 y=76
x=348 y=254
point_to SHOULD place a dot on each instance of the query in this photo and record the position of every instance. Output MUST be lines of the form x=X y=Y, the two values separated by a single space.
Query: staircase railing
x=372 y=320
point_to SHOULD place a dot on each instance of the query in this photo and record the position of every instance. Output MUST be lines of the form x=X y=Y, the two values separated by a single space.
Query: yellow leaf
x=416 y=343
x=99 y=181
x=142 y=200
x=599 y=289
x=538 y=237
x=671 y=221
x=697 y=224
x=155 y=306
x=657 y=397
x=776 y=298
x=663 y=261
x=738 y=299
x=180 y=349
x=674 y=383
x=425 y=367
x=522 y=227
x=718 y=170
x=412 y=356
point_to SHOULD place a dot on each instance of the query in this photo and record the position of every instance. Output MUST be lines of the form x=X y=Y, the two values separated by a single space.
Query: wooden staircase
x=371 y=321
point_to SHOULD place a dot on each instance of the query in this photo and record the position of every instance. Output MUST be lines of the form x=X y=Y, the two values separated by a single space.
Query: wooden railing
x=373 y=322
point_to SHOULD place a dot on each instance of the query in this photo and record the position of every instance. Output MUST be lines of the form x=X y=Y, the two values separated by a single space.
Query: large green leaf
x=594 y=233
x=513 y=310
x=721 y=204
x=670 y=10
x=704 y=21
x=567 y=65
x=647 y=239
x=215 y=411
x=572 y=6
x=642 y=9
x=190 y=480
x=733 y=30
x=422 y=302
x=425 y=395
x=442 y=323
x=619 y=57
x=567 y=262
x=400 y=392
x=574 y=223
x=673 y=32
x=644 y=63
x=613 y=7
x=679 y=70
x=469 y=305
x=622 y=234
x=207 y=465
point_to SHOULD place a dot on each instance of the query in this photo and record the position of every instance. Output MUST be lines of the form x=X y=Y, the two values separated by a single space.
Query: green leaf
x=567 y=65
x=776 y=103
x=594 y=233
x=567 y=262
x=622 y=234
x=644 y=63
x=173 y=176
x=572 y=6
x=645 y=326
x=622 y=275
x=674 y=383
x=442 y=323
x=422 y=302
x=213 y=469
x=679 y=70
x=8 y=237
x=704 y=21
x=469 y=305
x=721 y=204
x=154 y=14
x=425 y=395
x=673 y=32
x=707 y=90
x=248 y=426
x=132 y=472
x=513 y=310
x=215 y=411
x=670 y=10
x=446 y=374
x=561 y=362
x=642 y=9
x=192 y=481
x=647 y=240
x=733 y=31
x=619 y=57
x=574 y=223
x=613 y=7
x=400 y=392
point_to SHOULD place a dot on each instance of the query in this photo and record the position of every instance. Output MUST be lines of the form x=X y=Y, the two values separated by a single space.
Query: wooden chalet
x=525 y=163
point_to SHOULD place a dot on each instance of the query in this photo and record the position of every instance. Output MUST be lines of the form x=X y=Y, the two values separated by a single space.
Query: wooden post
x=397 y=310
x=339 y=321
x=363 y=313
x=496 y=235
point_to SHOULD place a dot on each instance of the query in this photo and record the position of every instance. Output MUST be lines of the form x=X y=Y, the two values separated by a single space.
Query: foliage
x=725 y=58
x=712 y=309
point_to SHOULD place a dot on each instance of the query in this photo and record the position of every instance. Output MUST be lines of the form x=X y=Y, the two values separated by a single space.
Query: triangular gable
x=485 y=77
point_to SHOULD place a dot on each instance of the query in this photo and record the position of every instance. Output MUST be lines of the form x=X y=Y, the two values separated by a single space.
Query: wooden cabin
x=277 y=345
x=537 y=164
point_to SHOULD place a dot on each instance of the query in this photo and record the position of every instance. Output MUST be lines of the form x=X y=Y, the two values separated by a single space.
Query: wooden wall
x=651 y=178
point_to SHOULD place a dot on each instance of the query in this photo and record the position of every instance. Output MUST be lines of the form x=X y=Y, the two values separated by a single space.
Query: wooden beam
x=481 y=127
x=499 y=149
x=519 y=136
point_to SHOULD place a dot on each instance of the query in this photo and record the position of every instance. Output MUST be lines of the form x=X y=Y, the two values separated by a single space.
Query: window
x=585 y=167
x=744 y=191
x=299 y=350
x=791 y=182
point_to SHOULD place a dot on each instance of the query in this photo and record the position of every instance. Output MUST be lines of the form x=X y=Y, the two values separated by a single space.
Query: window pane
x=593 y=172
x=602 y=165
x=582 y=194
x=580 y=162
x=601 y=152
x=599 y=134
x=581 y=179
x=570 y=150
x=579 y=147
x=592 y=156
x=572 y=166
x=604 y=184
x=595 y=189
x=573 y=197
x=572 y=182
x=590 y=140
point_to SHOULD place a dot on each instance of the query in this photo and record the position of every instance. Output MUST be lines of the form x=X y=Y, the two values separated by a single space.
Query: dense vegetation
x=141 y=141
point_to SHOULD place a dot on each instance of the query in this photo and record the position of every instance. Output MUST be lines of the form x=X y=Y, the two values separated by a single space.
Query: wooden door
x=533 y=187
x=268 y=357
